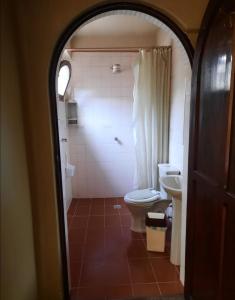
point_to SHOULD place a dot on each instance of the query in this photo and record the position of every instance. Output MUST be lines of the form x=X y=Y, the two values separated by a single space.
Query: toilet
x=139 y=202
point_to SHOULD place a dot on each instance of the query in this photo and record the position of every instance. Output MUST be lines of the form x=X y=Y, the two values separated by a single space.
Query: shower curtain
x=151 y=114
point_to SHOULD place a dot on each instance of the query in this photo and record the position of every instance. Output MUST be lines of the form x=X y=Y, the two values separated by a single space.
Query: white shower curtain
x=151 y=114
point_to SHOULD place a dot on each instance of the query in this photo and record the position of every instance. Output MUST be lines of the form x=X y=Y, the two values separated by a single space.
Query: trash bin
x=156 y=231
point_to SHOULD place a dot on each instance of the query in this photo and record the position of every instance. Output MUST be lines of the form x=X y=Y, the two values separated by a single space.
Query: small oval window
x=63 y=78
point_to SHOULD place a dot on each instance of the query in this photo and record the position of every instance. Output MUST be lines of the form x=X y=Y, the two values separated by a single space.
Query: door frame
x=59 y=46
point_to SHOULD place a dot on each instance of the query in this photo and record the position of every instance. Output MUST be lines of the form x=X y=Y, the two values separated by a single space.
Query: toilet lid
x=143 y=195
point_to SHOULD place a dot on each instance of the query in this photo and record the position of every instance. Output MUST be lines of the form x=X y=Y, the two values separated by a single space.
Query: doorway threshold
x=176 y=297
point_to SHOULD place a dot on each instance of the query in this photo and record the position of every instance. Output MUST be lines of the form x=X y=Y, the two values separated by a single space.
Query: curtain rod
x=127 y=49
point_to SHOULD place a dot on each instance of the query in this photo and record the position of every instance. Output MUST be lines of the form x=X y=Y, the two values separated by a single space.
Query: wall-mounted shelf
x=72 y=113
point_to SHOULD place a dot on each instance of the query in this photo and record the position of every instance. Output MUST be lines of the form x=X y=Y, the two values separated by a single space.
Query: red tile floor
x=108 y=260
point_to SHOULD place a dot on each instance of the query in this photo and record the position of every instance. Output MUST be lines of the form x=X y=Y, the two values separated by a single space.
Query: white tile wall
x=181 y=78
x=179 y=123
x=104 y=168
x=64 y=154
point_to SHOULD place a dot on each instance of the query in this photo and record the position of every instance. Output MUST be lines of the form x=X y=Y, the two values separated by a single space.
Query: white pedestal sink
x=172 y=184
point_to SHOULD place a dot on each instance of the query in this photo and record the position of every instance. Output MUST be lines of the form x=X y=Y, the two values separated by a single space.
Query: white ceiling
x=117 y=25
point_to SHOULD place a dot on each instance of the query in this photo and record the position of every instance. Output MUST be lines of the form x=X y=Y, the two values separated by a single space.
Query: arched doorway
x=95 y=13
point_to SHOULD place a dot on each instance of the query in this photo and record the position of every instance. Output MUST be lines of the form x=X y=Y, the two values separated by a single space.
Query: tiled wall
x=64 y=153
x=180 y=90
x=181 y=80
x=179 y=122
x=104 y=167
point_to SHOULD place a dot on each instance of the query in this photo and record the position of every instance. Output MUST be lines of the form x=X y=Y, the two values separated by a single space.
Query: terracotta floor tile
x=93 y=274
x=114 y=249
x=96 y=222
x=130 y=235
x=97 y=210
x=164 y=270
x=124 y=210
x=117 y=272
x=76 y=251
x=91 y=293
x=112 y=221
x=113 y=232
x=110 y=210
x=72 y=207
x=171 y=288
x=84 y=201
x=145 y=289
x=95 y=233
x=75 y=270
x=110 y=272
x=111 y=201
x=94 y=249
x=126 y=220
x=103 y=243
x=83 y=210
x=117 y=292
x=76 y=235
x=97 y=201
x=141 y=271
x=113 y=235
x=102 y=292
x=136 y=249
x=69 y=219
x=79 y=222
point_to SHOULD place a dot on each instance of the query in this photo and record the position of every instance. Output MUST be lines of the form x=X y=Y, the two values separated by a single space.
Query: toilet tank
x=166 y=169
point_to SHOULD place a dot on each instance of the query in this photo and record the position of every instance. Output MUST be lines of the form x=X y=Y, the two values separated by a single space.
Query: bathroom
x=98 y=160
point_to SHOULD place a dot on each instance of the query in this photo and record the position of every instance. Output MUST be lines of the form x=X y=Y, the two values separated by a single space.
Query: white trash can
x=156 y=231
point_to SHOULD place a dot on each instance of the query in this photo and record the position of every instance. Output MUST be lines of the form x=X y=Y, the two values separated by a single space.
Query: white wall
x=116 y=41
x=180 y=81
x=179 y=121
x=104 y=167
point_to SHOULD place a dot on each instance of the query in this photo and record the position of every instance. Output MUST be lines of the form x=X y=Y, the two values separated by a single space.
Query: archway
x=96 y=12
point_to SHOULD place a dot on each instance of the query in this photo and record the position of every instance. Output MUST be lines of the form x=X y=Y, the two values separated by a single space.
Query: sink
x=172 y=184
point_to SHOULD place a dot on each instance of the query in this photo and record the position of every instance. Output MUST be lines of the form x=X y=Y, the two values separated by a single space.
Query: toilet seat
x=143 y=196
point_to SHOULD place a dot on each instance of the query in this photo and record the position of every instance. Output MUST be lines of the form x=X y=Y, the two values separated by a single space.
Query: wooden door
x=210 y=250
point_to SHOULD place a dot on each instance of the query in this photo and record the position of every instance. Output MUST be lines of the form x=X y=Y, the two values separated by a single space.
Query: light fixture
x=116 y=68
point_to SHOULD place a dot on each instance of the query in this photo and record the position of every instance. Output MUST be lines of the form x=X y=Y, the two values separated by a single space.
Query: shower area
x=122 y=131
x=102 y=145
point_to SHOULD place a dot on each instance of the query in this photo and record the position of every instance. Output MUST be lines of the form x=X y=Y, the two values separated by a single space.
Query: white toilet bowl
x=139 y=202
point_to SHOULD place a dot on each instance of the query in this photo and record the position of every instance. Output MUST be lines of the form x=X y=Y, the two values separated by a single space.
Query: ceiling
x=117 y=25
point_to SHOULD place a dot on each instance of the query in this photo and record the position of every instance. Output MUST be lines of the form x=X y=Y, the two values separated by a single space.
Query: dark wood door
x=210 y=250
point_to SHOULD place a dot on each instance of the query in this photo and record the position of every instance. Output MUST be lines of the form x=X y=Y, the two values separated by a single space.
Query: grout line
x=133 y=283
x=155 y=276
x=173 y=281
x=159 y=289
x=83 y=251
x=130 y=276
